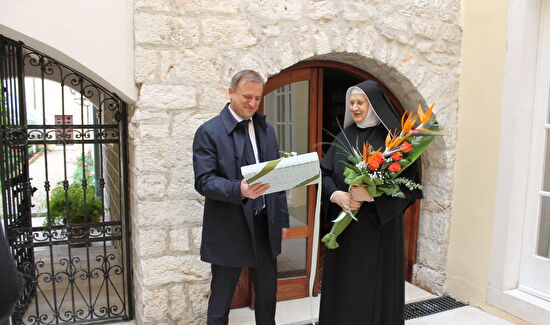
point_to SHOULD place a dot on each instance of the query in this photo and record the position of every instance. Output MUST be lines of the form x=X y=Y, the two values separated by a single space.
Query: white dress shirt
x=251 y=133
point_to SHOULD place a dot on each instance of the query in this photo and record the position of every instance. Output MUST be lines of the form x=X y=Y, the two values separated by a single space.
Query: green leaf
x=420 y=144
x=352 y=167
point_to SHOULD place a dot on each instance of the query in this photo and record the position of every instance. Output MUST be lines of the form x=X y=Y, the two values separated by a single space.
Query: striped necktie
x=248 y=157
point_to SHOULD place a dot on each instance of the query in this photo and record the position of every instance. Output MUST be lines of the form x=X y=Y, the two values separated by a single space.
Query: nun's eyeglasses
x=358 y=102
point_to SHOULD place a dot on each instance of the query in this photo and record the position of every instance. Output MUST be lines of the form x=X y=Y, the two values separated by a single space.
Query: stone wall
x=186 y=52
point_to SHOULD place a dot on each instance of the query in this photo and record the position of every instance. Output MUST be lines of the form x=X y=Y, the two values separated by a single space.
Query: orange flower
x=397 y=156
x=375 y=160
x=424 y=117
x=395 y=167
x=406 y=147
x=365 y=152
x=378 y=157
x=407 y=123
x=374 y=165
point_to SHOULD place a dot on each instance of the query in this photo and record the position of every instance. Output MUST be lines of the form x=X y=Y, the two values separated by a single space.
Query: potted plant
x=70 y=206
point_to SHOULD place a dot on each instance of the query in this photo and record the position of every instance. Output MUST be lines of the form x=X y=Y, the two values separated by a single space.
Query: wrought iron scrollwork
x=76 y=270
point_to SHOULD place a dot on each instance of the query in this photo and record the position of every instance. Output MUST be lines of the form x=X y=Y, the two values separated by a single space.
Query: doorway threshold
x=300 y=311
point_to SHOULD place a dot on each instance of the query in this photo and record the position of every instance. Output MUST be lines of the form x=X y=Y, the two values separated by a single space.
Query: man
x=241 y=226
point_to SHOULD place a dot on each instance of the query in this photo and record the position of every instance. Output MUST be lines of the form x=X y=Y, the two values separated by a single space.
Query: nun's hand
x=360 y=193
x=344 y=200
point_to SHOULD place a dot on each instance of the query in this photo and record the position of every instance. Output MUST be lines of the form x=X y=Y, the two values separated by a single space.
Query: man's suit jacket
x=227 y=234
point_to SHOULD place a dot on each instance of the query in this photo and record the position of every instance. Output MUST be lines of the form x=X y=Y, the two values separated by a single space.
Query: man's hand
x=253 y=191
x=284 y=232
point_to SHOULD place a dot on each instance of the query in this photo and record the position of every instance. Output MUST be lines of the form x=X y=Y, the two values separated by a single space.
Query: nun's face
x=359 y=107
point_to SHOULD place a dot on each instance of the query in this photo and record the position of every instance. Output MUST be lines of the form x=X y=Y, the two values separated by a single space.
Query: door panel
x=535 y=263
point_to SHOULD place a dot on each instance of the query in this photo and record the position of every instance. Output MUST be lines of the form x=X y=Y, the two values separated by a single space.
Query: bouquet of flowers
x=378 y=171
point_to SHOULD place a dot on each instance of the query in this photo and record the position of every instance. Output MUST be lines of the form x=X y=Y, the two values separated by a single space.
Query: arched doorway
x=300 y=102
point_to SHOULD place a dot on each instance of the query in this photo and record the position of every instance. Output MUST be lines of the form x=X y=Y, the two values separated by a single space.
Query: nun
x=363 y=281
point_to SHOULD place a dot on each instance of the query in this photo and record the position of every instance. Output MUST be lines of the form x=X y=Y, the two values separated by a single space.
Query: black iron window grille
x=64 y=188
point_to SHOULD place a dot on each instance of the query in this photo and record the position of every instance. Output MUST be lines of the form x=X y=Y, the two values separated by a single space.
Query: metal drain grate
x=420 y=308
x=431 y=306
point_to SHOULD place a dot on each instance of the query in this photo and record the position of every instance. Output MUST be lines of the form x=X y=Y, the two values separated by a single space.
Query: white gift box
x=285 y=173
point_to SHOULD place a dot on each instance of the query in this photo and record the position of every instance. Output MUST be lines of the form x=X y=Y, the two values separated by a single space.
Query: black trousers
x=264 y=276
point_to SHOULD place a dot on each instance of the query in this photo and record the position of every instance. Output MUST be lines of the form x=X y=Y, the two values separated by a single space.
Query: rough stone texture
x=179 y=240
x=151 y=242
x=156 y=306
x=198 y=296
x=179 y=304
x=174 y=269
x=186 y=52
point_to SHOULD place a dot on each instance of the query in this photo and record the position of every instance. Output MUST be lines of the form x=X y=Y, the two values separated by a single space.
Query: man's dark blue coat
x=227 y=234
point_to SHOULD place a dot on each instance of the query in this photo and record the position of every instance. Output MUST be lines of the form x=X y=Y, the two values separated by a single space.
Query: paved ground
x=299 y=311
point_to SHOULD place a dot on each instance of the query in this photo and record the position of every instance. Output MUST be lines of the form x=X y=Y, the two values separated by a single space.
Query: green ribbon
x=307 y=181
x=267 y=168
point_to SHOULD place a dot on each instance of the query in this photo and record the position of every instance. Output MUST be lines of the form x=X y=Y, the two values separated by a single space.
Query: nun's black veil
x=381 y=104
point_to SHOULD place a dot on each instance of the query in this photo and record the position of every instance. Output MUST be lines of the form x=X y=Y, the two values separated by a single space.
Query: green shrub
x=70 y=206
x=88 y=171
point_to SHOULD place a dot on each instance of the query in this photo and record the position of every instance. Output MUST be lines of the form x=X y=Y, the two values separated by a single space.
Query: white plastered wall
x=512 y=180
x=93 y=37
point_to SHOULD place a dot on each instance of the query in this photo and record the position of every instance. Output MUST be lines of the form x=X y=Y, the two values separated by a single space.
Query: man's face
x=245 y=100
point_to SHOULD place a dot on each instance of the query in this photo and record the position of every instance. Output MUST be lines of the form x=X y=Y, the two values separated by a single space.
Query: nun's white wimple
x=369 y=121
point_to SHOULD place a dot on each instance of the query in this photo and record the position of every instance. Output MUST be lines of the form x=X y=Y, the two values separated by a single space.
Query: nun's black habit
x=363 y=280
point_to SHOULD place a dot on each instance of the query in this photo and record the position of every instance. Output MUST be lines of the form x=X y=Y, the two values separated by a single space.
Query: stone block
x=152 y=130
x=428 y=279
x=432 y=254
x=321 y=42
x=151 y=242
x=181 y=185
x=449 y=11
x=196 y=234
x=179 y=302
x=146 y=64
x=269 y=10
x=352 y=37
x=151 y=186
x=235 y=33
x=167 y=96
x=174 y=269
x=437 y=198
x=179 y=240
x=271 y=30
x=439 y=230
x=425 y=28
x=156 y=5
x=192 y=66
x=198 y=295
x=166 y=30
x=155 y=305
x=370 y=40
x=395 y=27
x=201 y=7
x=324 y=10
x=152 y=156
x=186 y=123
x=452 y=34
x=169 y=212
x=359 y=11
x=215 y=98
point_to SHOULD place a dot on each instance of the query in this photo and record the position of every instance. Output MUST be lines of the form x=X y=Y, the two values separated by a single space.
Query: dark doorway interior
x=335 y=84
